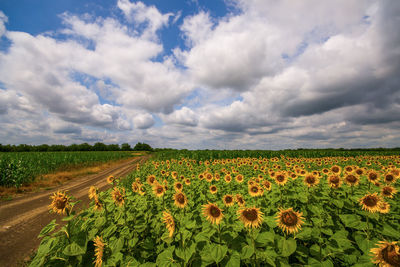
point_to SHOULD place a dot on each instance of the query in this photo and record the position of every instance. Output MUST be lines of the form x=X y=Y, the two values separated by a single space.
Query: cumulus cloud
x=140 y=13
x=272 y=75
x=3 y=20
x=143 y=121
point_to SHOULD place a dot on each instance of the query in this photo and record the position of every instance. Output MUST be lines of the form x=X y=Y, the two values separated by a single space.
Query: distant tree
x=113 y=147
x=126 y=147
x=142 y=147
x=85 y=147
x=99 y=147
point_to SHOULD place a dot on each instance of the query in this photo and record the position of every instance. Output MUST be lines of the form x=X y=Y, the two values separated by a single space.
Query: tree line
x=75 y=147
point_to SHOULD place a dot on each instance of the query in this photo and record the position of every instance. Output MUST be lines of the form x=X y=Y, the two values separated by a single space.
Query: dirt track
x=22 y=219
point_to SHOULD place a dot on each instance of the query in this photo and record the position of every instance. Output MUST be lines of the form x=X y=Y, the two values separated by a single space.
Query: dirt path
x=22 y=219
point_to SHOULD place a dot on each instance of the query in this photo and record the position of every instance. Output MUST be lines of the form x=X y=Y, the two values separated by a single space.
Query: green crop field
x=17 y=168
x=235 y=211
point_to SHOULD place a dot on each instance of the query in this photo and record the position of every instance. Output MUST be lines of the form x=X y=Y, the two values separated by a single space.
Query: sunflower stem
x=219 y=233
x=367 y=226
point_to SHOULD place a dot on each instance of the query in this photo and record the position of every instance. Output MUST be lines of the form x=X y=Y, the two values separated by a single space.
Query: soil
x=22 y=218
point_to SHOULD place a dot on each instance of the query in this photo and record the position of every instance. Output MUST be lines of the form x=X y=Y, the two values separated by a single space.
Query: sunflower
x=311 y=180
x=97 y=204
x=178 y=186
x=158 y=190
x=151 y=179
x=254 y=190
x=389 y=178
x=209 y=177
x=212 y=213
x=239 y=178
x=334 y=181
x=61 y=203
x=359 y=171
x=280 y=178
x=384 y=207
x=289 y=220
x=228 y=178
x=373 y=176
x=336 y=169
x=92 y=192
x=217 y=177
x=142 y=191
x=98 y=251
x=180 y=200
x=349 y=169
x=110 y=179
x=267 y=185
x=187 y=181
x=239 y=200
x=213 y=189
x=169 y=222
x=352 y=179
x=251 y=217
x=135 y=187
x=388 y=191
x=228 y=200
x=370 y=202
x=387 y=254
x=118 y=196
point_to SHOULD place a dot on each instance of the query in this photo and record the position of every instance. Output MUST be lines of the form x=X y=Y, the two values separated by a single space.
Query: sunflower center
x=334 y=180
x=310 y=179
x=335 y=169
x=213 y=188
x=359 y=171
x=179 y=186
x=280 y=178
x=387 y=191
x=372 y=176
x=389 y=178
x=61 y=203
x=180 y=198
x=254 y=189
x=370 y=201
x=159 y=190
x=214 y=211
x=228 y=199
x=390 y=256
x=151 y=179
x=289 y=218
x=250 y=215
x=351 y=179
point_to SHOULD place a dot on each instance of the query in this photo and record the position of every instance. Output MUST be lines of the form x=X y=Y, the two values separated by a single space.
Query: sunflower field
x=278 y=211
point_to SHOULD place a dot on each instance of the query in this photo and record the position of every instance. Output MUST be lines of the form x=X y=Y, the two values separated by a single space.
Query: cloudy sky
x=233 y=74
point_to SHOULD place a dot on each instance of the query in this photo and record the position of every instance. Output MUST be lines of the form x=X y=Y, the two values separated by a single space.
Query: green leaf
x=73 y=249
x=117 y=244
x=109 y=231
x=338 y=203
x=305 y=234
x=234 y=260
x=68 y=218
x=99 y=222
x=390 y=231
x=247 y=252
x=352 y=221
x=218 y=252
x=165 y=258
x=265 y=237
x=186 y=253
x=48 y=228
x=287 y=246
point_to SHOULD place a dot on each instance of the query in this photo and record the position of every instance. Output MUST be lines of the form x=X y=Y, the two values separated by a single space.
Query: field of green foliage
x=230 y=211
x=17 y=168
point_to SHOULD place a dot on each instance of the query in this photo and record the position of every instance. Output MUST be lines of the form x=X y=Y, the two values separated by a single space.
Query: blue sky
x=230 y=74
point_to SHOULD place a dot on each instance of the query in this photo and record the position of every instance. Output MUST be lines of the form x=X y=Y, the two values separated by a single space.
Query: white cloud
x=143 y=121
x=3 y=20
x=140 y=13
x=183 y=116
